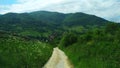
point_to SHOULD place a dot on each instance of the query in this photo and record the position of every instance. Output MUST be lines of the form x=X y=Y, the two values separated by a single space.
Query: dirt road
x=58 y=60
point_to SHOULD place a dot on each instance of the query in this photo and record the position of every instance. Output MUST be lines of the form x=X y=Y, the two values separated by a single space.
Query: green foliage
x=43 y=21
x=89 y=44
x=112 y=28
x=95 y=49
x=17 y=52
x=68 y=39
x=83 y=19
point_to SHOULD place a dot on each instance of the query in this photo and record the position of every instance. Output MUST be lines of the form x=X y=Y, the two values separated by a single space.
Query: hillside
x=43 y=24
x=44 y=21
x=22 y=52
x=27 y=40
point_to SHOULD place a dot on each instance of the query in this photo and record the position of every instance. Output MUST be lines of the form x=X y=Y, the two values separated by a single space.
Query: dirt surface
x=58 y=60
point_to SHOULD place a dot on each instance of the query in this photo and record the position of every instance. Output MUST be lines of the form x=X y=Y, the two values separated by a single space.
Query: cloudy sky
x=108 y=9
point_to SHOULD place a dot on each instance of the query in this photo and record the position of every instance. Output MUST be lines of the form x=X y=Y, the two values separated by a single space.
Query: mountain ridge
x=45 y=23
x=56 y=17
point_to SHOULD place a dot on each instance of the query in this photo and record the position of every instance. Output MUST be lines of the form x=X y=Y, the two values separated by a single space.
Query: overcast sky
x=108 y=9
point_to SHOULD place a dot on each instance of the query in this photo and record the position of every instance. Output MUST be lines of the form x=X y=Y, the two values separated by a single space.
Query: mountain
x=39 y=19
x=68 y=19
x=45 y=23
x=83 y=19
x=51 y=17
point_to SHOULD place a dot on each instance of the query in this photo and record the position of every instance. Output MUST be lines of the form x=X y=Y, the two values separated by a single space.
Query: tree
x=112 y=28
x=68 y=39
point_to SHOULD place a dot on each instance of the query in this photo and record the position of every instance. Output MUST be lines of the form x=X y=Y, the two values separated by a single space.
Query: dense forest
x=27 y=39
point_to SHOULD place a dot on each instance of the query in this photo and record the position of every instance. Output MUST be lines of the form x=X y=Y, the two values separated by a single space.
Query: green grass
x=20 y=53
x=93 y=49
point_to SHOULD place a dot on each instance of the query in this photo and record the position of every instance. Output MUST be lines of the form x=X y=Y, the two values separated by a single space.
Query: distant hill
x=83 y=19
x=41 y=23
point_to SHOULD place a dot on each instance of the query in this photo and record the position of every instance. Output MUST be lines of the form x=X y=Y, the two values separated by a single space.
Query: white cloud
x=108 y=9
x=29 y=5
